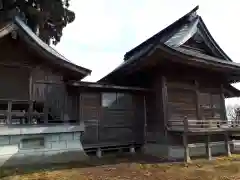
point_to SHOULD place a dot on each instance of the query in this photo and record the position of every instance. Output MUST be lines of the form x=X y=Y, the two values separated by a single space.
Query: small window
x=117 y=100
x=109 y=99
x=32 y=143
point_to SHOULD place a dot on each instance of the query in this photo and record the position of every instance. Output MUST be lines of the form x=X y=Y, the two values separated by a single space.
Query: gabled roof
x=42 y=48
x=170 y=42
x=178 y=33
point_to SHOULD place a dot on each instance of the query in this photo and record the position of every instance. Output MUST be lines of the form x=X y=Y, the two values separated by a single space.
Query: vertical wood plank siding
x=14 y=83
x=118 y=120
x=25 y=76
x=181 y=102
x=89 y=105
x=198 y=100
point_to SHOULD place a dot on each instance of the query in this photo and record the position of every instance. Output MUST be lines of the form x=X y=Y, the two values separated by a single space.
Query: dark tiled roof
x=178 y=33
x=47 y=51
x=171 y=38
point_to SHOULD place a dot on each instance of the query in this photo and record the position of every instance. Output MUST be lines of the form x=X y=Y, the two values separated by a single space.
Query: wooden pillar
x=132 y=150
x=227 y=144
x=100 y=117
x=99 y=153
x=185 y=141
x=45 y=105
x=9 y=112
x=145 y=119
x=30 y=111
x=198 y=110
x=164 y=103
x=187 y=158
x=45 y=112
x=64 y=105
x=31 y=86
x=223 y=107
x=208 y=147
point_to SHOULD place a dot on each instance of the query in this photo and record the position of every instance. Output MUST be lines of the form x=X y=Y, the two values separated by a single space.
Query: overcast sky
x=105 y=29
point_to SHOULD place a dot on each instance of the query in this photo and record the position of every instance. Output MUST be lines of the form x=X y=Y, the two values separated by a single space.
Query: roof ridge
x=153 y=38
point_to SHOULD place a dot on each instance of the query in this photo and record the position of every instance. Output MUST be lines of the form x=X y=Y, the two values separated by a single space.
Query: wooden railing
x=198 y=125
x=18 y=112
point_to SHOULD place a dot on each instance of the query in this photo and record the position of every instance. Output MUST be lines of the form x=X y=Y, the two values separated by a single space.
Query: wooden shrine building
x=189 y=75
x=167 y=96
x=47 y=115
x=39 y=120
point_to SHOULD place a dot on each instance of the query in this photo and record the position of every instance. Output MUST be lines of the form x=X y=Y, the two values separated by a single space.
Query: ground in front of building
x=131 y=167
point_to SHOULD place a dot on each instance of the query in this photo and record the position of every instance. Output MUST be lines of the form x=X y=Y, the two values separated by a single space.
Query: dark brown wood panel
x=90 y=115
x=112 y=117
x=14 y=83
x=210 y=105
x=117 y=117
x=116 y=135
x=181 y=103
x=71 y=111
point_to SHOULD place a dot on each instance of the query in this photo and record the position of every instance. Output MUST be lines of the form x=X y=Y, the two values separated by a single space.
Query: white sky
x=104 y=30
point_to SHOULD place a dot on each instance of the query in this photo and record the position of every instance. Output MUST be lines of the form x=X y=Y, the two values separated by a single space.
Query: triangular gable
x=187 y=29
x=196 y=37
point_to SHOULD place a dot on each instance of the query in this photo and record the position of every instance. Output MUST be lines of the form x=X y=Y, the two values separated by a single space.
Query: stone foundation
x=40 y=148
x=155 y=149
x=177 y=152
x=198 y=149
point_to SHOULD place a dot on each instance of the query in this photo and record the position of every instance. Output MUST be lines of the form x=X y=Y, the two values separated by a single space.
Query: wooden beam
x=208 y=148
x=18 y=65
x=181 y=86
x=48 y=82
x=106 y=86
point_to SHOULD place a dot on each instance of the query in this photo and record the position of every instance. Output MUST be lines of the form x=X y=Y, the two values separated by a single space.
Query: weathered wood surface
x=111 y=118
x=25 y=76
x=14 y=83
x=214 y=125
x=195 y=99
x=90 y=115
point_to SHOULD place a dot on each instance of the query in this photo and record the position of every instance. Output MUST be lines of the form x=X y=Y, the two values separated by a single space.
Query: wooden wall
x=25 y=76
x=175 y=97
x=14 y=83
x=112 y=118
x=195 y=99
x=181 y=100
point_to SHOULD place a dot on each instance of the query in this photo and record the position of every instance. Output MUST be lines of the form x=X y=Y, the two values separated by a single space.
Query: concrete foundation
x=40 y=148
x=199 y=149
x=155 y=149
x=177 y=152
